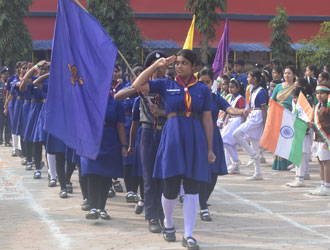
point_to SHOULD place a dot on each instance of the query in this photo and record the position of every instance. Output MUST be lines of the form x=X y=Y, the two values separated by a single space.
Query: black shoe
x=63 y=194
x=28 y=166
x=139 y=207
x=154 y=226
x=181 y=199
x=93 y=214
x=117 y=186
x=14 y=153
x=169 y=234
x=205 y=215
x=104 y=215
x=19 y=153
x=69 y=188
x=190 y=243
x=37 y=175
x=131 y=197
x=52 y=183
x=24 y=161
x=111 y=193
x=85 y=205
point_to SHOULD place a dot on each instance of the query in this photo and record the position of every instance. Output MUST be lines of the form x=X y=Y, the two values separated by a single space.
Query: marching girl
x=236 y=89
x=134 y=149
x=253 y=127
x=322 y=137
x=223 y=86
x=303 y=168
x=10 y=105
x=219 y=167
x=109 y=162
x=186 y=143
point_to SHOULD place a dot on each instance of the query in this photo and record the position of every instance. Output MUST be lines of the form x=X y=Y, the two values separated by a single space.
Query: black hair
x=268 y=72
x=117 y=66
x=226 y=79
x=277 y=81
x=325 y=75
x=296 y=91
x=260 y=80
x=278 y=70
x=205 y=71
x=292 y=68
x=239 y=85
x=188 y=54
x=313 y=69
x=327 y=68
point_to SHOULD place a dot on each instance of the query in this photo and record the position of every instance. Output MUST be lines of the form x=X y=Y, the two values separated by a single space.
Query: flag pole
x=121 y=55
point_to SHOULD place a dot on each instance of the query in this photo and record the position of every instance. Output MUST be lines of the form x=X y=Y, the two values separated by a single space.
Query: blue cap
x=153 y=56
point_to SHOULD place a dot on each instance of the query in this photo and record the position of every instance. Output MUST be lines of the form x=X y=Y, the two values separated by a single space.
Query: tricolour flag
x=304 y=109
x=82 y=64
x=284 y=133
x=189 y=43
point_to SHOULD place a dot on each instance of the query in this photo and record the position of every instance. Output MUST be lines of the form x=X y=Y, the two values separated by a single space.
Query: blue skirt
x=17 y=120
x=25 y=114
x=137 y=163
x=54 y=145
x=11 y=107
x=130 y=158
x=219 y=166
x=40 y=134
x=109 y=162
x=32 y=121
x=183 y=150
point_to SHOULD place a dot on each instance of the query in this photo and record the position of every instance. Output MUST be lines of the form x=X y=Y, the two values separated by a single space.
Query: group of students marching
x=168 y=132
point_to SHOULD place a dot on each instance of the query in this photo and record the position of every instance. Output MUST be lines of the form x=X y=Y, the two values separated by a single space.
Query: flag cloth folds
x=82 y=63
x=222 y=52
x=284 y=133
x=304 y=109
x=188 y=44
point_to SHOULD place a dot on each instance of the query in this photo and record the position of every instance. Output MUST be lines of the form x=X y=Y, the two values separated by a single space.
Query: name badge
x=173 y=90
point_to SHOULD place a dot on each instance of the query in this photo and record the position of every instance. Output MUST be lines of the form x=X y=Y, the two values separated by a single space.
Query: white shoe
x=292 y=166
x=293 y=170
x=322 y=191
x=307 y=177
x=233 y=170
x=256 y=177
x=250 y=163
x=295 y=183
x=316 y=190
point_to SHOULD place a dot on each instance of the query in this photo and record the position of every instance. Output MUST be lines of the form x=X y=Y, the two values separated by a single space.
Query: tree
x=280 y=41
x=206 y=17
x=15 y=39
x=316 y=51
x=117 y=18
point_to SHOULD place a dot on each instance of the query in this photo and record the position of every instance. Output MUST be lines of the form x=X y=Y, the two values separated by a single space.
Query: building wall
x=248 y=20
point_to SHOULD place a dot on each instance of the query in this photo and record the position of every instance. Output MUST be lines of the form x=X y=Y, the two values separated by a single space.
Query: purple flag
x=222 y=52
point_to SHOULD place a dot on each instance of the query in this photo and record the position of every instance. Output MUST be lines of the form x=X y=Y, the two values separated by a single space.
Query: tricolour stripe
x=272 y=127
x=300 y=128
x=286 y=135
x=306 y=107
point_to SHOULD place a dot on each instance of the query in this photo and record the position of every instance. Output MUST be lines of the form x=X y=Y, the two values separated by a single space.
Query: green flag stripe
x=300 y=128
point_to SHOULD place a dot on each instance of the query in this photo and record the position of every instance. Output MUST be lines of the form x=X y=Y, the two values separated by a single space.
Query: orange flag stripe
x=304 y=104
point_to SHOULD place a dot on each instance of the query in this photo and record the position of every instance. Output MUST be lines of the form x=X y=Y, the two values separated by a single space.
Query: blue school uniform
x=11 y=103
x=26 y=109
x=183 y=146
x=36 y=105
x=17 y=117
x=242 y=78
x=39 y=134
x=219 y=166
x=109 y=160
x=137 y=163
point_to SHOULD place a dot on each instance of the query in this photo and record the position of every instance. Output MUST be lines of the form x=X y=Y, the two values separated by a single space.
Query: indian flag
x=304 y=109
x=284 y=133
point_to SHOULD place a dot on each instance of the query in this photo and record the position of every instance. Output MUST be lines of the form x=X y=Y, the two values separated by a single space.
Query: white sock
x=190 y=208
x=168 y=209
x=15 y=141
x=322 y=183
x=52 y=166
x=181 y=190
x=19 y=142
x=327 y=185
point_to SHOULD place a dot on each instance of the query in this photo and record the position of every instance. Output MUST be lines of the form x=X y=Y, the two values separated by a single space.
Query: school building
x=164 y=24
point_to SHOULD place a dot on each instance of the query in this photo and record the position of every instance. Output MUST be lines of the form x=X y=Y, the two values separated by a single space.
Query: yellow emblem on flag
x=74 y=75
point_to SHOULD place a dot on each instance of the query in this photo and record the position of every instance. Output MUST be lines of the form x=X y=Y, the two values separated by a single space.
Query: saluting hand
x=211 y=157
x=42 y=63
x=165 y=62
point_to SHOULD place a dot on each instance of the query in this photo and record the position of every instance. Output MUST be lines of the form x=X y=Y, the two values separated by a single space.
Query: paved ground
x=246 y=215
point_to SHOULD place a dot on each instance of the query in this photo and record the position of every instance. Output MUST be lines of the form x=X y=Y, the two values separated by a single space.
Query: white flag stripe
x=301 y=113
x=286 y=135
